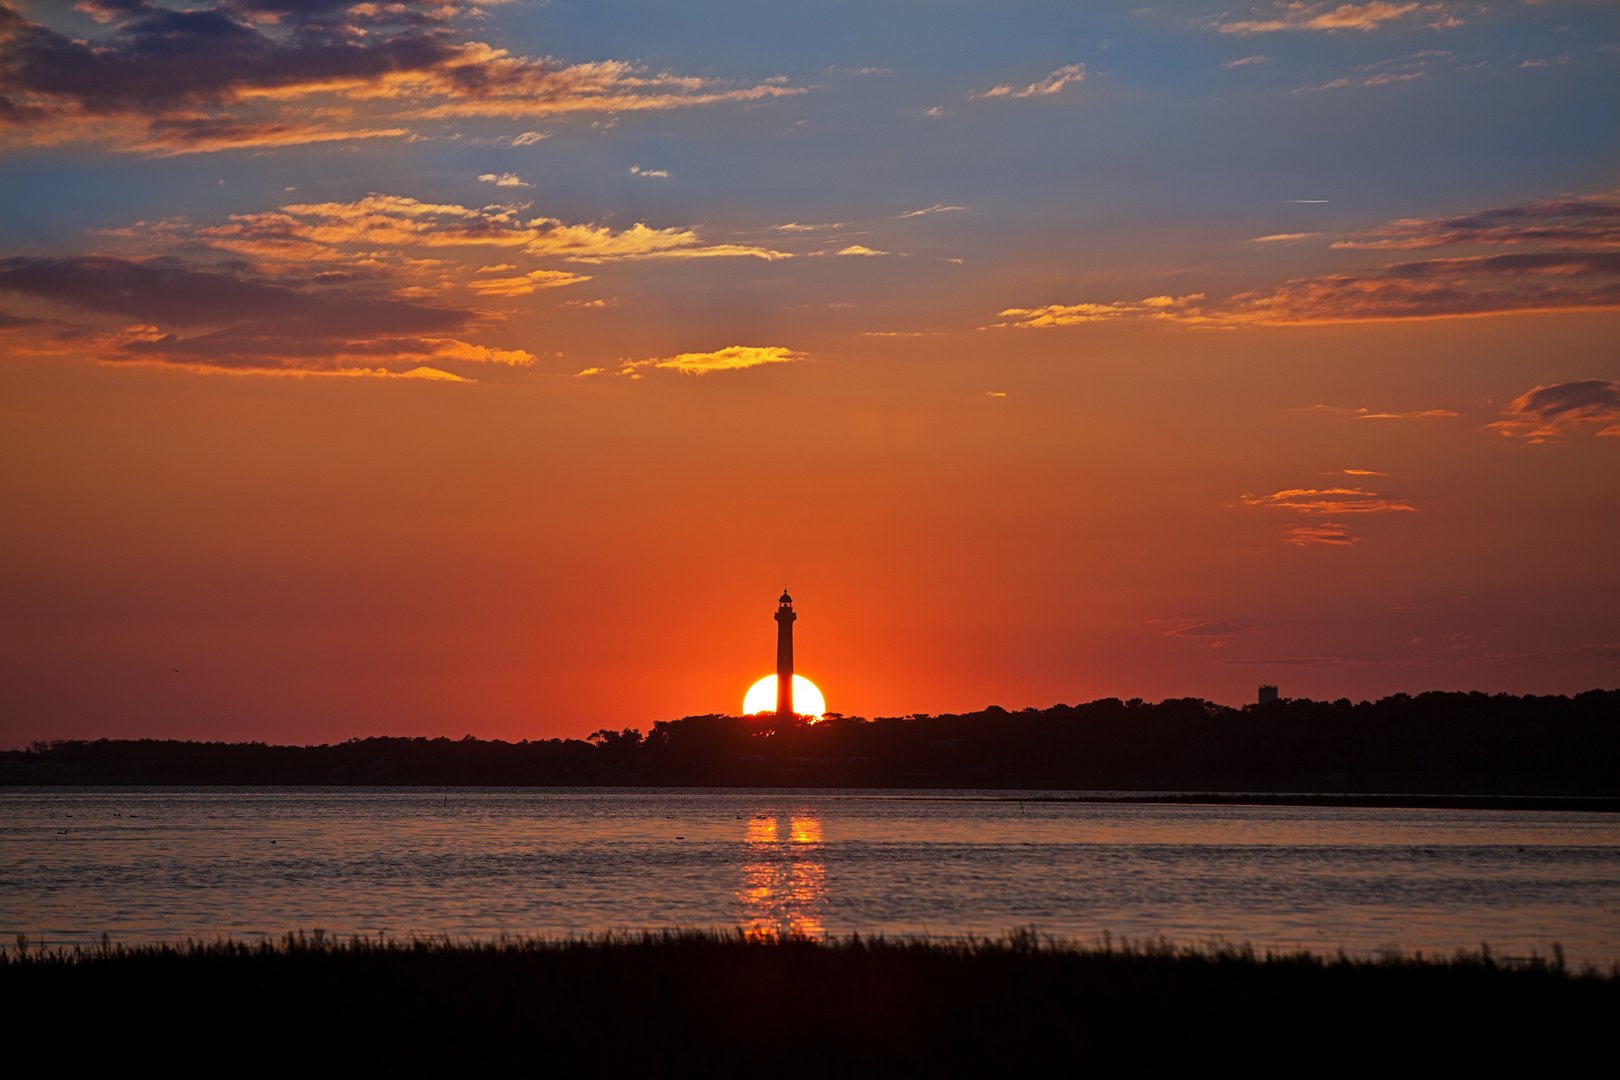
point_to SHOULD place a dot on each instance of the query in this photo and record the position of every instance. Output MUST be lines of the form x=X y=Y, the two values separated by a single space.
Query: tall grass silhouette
x=687 y=1002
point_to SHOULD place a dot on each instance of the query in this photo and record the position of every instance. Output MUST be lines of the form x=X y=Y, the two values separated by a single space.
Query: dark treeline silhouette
x=722 y=1005
x=1438 y=743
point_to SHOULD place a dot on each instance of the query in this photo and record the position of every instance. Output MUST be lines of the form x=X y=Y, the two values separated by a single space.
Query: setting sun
x=807 y=700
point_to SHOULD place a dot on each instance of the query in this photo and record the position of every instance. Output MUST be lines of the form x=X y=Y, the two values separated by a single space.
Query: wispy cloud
x=861 y=249
x=1275 y=238
x=1323 y=17
x=1246 y=61
x=731 y=358
x=1382 y=78
x=1207 y=630
x=1545 y=413
x=794 y=226
x=1330 y=533
x=527 y=283
x=1431 y=289
x=529 y=138
x=323 y=288
x=504 y=180
x=937 y=208
x=1368 y=414
x=1154 y=307
x=1580 y=222
x=248 y=322
x=1285 y=661
x=653 y=174
x=243 y=75
x=305 y=232
x=1063 y=76
x=1325 y=501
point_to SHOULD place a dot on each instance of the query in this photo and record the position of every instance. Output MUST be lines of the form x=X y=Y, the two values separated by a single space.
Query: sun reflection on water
x=784 y=886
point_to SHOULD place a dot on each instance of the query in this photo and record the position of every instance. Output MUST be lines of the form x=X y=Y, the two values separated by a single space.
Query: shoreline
x=1599 y=804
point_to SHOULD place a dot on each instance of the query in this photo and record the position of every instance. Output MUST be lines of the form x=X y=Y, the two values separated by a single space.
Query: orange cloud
x=164 y=82
x=1326 y=533
x=1301 y=16
x=731 y=358
x=1154 y=307
x=315 y=232
x=528 y=283
x=1543 y=414
x=1328 y=501
x=1054 y=82
x=1585 y=222
x=1432 y=289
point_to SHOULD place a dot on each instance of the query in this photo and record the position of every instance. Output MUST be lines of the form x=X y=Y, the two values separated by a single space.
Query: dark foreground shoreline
x=1391 y=802
x=1453 y=744
x=684 y=1003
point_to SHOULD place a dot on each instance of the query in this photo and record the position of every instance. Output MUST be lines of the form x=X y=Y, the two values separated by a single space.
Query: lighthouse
x=784 y=656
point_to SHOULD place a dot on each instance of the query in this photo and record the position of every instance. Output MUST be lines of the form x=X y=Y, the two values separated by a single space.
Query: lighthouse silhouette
x=784 y=656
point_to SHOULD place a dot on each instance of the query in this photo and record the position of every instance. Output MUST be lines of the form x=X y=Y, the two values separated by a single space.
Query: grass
x=689 y=1003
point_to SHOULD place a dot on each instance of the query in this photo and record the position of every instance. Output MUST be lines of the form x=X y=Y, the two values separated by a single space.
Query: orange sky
x=1032 y=415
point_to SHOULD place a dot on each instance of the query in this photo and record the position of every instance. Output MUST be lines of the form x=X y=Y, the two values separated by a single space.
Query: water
x=163 y=864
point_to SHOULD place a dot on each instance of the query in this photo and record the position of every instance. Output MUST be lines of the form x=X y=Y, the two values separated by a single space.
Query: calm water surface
x=147 y=864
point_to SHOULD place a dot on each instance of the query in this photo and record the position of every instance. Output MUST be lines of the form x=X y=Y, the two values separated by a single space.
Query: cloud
x=1543 y=414
x=858 y=249
x=170 y=291
x=731 y=358
x=938 y=112
x=1366 y=472
x=1368 y=414
x=937 y=208
x=1567 y=280
x=529 y=138
x=794 y=226
x=1285 y=661
x=1063 y=76
x=528 y=283
x=1437 y=288
x=656 y=174
x=331 y=231
x=245 y=322
x=1207 y=630
x=1302 y=16
x=1382 y=78
x=244 y=74
x=1326 y=501
x=1256 y=59
x=1547 y=61
x=1326 y=533
x=504 y=180
x=1283 y=237
x=1590 y=222
x=1161 y=307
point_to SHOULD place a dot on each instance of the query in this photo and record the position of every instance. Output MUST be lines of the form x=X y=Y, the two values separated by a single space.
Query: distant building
x=784 y=656
x=1268 y=694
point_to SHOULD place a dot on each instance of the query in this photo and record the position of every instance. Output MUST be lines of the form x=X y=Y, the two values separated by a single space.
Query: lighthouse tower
x=784 y=656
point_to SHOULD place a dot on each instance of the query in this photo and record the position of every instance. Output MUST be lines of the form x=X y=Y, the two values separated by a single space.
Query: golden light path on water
x=807 y=700
x=784 y=886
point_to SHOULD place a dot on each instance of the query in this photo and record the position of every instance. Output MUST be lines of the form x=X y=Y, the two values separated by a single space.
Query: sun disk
x=807 y=700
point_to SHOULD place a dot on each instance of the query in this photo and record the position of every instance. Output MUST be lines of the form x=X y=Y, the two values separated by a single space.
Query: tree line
x=1439 y=743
